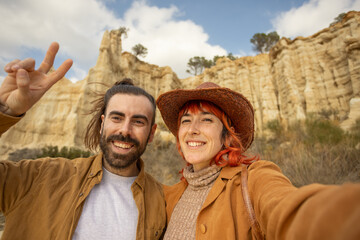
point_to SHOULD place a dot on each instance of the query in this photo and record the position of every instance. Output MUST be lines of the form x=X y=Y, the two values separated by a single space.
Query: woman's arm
x=311 y=212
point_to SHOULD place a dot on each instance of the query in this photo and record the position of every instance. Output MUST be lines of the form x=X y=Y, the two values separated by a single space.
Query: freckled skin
x=200 y=138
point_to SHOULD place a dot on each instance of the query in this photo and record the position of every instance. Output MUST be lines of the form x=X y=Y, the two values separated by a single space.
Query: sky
x=173 y=31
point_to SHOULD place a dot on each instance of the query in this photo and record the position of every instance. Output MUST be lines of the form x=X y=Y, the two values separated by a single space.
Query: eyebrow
x=134 y=116
x=202 y=113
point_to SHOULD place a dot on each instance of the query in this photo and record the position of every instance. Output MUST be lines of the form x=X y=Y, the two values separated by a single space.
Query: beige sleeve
x=7 y=121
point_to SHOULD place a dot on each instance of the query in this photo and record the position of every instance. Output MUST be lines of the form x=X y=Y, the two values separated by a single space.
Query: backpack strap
x=248 y=205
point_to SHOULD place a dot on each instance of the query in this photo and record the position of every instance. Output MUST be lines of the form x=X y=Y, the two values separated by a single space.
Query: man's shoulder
x=151 y=181
x=59 y=163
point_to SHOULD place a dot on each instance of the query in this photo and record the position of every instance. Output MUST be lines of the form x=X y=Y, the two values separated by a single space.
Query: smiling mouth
x=123 y=145
x=195 y=144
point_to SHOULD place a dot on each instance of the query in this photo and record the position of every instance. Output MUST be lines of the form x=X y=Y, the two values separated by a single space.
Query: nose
x=193 y=129
x=125 y=128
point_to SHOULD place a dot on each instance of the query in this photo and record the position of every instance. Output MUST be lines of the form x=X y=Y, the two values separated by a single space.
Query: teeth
x=195 y=144
x=122 y=145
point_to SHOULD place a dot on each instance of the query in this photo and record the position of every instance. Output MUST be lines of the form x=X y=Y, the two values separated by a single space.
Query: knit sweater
x=182 y=224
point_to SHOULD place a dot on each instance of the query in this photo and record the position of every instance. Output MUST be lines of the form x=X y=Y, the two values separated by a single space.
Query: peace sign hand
x=24 y=86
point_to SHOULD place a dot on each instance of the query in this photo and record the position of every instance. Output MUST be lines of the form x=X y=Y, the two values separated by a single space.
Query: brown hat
x=235 y=105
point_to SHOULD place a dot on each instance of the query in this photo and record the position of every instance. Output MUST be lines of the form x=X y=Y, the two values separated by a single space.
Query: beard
x=121 y=161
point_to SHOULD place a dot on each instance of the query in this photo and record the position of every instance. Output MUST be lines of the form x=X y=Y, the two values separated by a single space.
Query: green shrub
x=48 y=151
x=65 y=152
x=24 y=153
x=323 y=132
x=275 y=127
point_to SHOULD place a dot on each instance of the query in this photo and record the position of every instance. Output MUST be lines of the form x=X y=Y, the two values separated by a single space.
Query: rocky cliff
x=316 y=74
x=300 y=76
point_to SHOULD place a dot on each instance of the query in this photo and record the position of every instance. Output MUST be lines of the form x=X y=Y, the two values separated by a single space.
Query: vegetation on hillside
x=48 y=151
x=316 y=150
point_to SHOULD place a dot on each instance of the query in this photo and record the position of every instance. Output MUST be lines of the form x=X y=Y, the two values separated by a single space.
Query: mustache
x=122 y=138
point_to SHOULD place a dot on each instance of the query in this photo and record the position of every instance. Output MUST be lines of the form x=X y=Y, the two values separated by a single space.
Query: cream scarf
x=182 y=224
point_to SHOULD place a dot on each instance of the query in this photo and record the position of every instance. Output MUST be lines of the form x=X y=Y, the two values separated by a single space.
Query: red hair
x=232 y=153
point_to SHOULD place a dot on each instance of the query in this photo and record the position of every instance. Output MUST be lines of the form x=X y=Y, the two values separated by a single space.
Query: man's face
x=126 y=129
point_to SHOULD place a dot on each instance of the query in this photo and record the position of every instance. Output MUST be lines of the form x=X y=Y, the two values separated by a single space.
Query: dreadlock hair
x=125 y=86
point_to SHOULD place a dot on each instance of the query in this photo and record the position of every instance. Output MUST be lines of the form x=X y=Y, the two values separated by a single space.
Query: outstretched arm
x=24 y=86
x=311 y=212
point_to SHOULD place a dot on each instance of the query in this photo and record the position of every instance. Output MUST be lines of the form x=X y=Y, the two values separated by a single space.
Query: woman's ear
x=228 y=137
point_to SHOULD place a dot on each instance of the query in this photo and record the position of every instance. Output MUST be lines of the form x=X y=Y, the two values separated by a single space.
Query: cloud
x=311 y=17
x=77 y=24
x=29 y=26
x=170 y=42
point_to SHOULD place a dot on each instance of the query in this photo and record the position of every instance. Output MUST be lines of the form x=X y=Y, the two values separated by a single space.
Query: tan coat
x=43 y=198
x=283 y=211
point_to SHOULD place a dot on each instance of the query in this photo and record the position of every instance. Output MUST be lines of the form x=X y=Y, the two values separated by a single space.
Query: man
x=107 y=196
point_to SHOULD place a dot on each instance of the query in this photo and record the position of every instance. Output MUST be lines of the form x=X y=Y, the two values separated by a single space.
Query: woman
x=220 y=198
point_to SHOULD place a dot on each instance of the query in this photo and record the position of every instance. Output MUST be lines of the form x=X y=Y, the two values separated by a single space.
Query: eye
x=184 y=121
x=139 y=122
x=115 y=118
x=207 y=120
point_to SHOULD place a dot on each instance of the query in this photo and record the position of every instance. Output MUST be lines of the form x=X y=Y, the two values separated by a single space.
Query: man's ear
x=152 y=133
x=102 y=122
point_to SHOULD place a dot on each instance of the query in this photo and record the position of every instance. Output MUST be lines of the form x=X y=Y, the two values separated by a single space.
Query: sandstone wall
x=321 y=72
x=300 y=76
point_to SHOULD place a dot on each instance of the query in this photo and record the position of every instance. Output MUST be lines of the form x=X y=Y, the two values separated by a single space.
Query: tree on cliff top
x=124 y=31
x=197 y=64
x=339 y=18
x=264 y=42
x=229 y=56
x=139 y=50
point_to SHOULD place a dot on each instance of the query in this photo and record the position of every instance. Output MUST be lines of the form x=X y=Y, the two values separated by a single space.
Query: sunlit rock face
x=320 y=73
x=300 y=76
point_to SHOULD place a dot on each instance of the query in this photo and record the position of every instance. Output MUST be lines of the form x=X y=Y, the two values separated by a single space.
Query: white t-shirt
x=109 y=211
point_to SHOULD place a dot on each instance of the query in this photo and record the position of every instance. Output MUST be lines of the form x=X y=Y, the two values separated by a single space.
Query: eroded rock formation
x=298 y=77
x=320 y=73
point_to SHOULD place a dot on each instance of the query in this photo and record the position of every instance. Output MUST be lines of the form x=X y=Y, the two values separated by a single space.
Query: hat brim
x=234 y=104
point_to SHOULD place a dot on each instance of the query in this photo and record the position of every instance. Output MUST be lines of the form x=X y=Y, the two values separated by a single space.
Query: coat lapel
x=226 y=174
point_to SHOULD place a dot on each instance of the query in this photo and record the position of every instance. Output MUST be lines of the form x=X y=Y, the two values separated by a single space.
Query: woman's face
x=200 y=138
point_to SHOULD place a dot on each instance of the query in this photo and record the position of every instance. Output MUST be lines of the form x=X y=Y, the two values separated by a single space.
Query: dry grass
x=314 y=151
x=163 y=161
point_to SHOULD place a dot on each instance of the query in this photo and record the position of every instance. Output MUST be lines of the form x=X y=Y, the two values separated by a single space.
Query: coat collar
x=140 y=180
x=226 y=174
x=229 y=172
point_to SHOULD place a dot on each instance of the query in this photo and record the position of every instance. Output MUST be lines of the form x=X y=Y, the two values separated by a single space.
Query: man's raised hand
x=24 y=86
